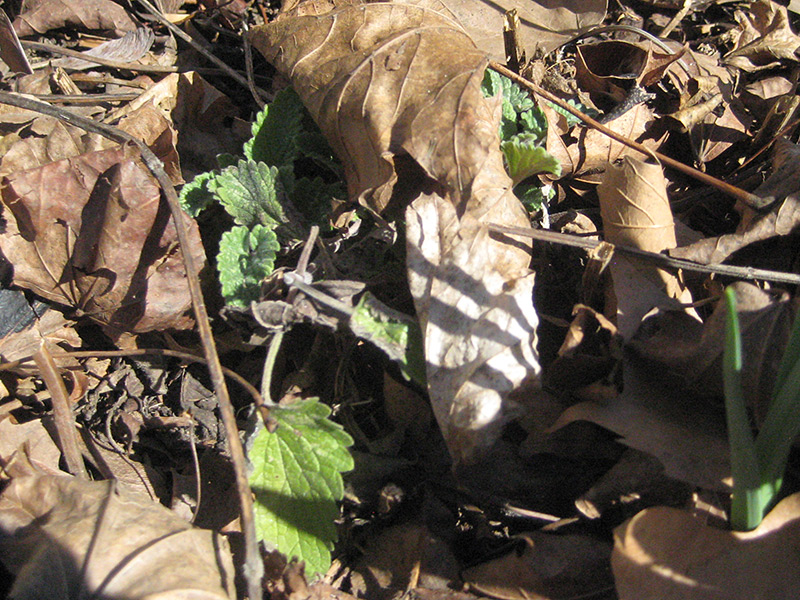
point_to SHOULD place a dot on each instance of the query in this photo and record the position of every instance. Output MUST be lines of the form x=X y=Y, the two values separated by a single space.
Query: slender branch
x=661 y=260
x=254 y=567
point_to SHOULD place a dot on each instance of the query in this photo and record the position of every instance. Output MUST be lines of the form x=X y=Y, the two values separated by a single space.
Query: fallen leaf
x=546 y=24
x=548 y=567
x=11 y=51
x=635 y=210
x=681 y=345
x=200 y=112
x=390 y=82
x=665 y=554
x=92 y=233
x=61 y=535
x=40 y=16
x=766 y=37
x=666 y=421
x=780 y=214
x=129 y=48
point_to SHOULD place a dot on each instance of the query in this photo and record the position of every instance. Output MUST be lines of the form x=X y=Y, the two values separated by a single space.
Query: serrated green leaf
x=525 y=158
x=312 y=197
x=397 y=334
x=275 y=131
x=196 y=195
x=246 y=256
x=572 y=119
x=314 y=146
x=297 y=482
x=251 y=193
x=534 y=196
x=534 y=122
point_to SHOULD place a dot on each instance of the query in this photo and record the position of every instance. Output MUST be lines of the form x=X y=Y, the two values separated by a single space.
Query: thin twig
x=254 y=567
x=661 y=260
x=114 y=64
x=726 y=188
x=177 y=31
x=62 y=412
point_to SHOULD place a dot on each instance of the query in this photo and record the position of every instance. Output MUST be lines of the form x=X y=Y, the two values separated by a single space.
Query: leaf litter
x=395 y=88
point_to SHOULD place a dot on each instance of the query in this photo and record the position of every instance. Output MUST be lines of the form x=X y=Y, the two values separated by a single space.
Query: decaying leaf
x=780 y=195
x=66 y=538
x=395 y=87
x=665 y=554
x=40 y=16
x=92 y=233
x=636 y=213
x=549 y=567
x=766 y=37
x=129 y=48
x=666 y=421
x=681 y=345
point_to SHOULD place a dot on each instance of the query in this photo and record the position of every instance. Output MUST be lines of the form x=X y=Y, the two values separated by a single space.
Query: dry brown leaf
x=636 y=213
x=390 y=82
x=613 y=67
x=665 y=420
x=669 y=554
x=585 y=152
x=679 y=344
x=780 y=192
x=197 y=110
x=40 y=16
x=92 y=233
x=61 y=535
x=549 y=567
x=129 y=48
x=766 y=37
x=543 y=23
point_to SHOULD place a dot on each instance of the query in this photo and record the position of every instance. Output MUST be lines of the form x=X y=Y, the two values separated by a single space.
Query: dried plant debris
x=64 y=538
x=92 y=234
x=390 y=81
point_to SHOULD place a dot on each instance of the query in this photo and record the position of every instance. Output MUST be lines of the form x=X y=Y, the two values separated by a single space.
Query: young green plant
x=758 y=463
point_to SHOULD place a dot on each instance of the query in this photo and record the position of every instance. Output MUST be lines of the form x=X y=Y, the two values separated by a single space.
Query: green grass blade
x=781 y=427
x=746 y=509
x=791 y=356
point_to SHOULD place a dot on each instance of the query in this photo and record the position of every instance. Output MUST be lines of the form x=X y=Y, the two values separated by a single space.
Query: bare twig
x=114 y=64
x=253 y=568
x=62 y=412
x=661 y=260
x=178 y=32
x=726 y=188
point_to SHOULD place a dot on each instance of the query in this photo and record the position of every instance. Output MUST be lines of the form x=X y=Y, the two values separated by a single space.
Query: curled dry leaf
x=766 y=37
x=681 y=345
x=636 y=212
x=780 y=192
x=395 y=87
x=665 y=554
x=40 y=16
x=66 y=538
x=129 y=48
x=91 y=233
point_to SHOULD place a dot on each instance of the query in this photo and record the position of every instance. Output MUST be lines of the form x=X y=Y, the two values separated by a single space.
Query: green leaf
x=196 y=195
x=275 y=131
x=747 y=504
x=494 y=84
x=312 y=197
x=251 y=192
x=525 y=158
x=572 y=119
x=393 y=332
x=534 y=196
x=534 y=122
x=297 y=482
x=314 y=146
x=246 y=256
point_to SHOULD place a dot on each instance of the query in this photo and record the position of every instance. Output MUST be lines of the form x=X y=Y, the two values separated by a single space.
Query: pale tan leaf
x=40 y=16
x=62 y=534
x=636 y=213
x=669 y=554
x=766 y=37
